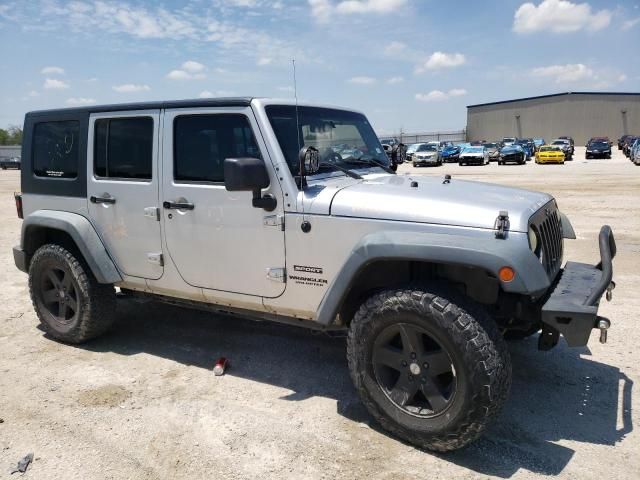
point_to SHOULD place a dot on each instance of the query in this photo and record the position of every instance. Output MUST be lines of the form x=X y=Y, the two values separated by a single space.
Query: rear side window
x=123 y=148
x=203 y=142
x=55 y=149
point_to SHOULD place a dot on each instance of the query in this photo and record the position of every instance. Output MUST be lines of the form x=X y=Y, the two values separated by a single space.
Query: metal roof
x=553 y=95
x=200 y=102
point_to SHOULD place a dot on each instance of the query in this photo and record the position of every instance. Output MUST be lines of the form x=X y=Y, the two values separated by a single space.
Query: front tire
x=69 y=302
x=429 y=365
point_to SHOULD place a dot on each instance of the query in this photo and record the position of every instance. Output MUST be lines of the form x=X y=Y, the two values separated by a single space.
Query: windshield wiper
x=351 y=173
x=369 y=161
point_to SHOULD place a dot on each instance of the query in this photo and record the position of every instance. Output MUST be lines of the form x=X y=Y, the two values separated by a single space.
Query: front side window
x=55 y=149
x=203 y=142
x=342 y=137
x=123 y=148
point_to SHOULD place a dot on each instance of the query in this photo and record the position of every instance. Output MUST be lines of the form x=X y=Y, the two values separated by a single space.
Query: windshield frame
x=282 y=118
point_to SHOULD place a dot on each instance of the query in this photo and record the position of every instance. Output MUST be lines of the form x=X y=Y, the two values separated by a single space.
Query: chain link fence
x=419 y=137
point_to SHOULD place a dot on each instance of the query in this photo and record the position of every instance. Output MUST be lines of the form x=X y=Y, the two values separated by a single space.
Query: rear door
x=219 y=241
x=122 y=189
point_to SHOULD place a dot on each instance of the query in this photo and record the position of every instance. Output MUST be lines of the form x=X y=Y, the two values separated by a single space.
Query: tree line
x=11 y=136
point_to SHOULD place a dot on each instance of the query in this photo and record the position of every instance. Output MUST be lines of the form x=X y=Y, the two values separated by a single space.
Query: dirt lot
x=143 y=402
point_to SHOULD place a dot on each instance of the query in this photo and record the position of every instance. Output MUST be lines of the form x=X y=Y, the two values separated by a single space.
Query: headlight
x=533 y=240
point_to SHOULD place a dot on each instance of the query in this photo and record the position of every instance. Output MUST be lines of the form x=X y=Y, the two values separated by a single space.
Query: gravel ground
x=143 y=402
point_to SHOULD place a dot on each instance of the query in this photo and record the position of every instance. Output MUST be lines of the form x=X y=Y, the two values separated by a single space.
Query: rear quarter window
x=55 y=149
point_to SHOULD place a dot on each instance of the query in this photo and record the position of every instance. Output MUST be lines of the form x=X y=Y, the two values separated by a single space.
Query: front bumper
x=571 y=309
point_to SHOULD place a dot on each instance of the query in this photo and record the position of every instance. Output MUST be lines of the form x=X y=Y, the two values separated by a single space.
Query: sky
x=408 y=64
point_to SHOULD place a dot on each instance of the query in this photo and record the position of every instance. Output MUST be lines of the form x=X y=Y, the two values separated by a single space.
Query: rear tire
x=429 y=365
x=69 y=302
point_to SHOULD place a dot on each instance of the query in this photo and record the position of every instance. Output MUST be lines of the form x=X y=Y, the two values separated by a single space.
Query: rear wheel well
x=476 y=283
x=37 y=236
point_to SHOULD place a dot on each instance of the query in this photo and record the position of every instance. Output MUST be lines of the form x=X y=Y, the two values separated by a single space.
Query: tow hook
x=610 y=288
x=603 y=325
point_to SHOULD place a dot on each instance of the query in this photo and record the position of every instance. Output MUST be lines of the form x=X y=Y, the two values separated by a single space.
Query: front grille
x=548 y=226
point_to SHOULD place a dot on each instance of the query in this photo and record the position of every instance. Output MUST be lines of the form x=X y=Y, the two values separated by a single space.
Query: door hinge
x=274 y=221
x=152 y=212
x=155 y=258
x=277 y=274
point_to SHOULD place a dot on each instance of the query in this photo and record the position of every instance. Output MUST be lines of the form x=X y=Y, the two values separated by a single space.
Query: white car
x=474 y=155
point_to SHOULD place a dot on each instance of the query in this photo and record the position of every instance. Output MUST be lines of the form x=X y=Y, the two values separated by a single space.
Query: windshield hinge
x=274 y=221
x=502 y=224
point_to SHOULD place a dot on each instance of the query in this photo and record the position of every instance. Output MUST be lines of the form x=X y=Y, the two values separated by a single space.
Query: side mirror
x=249 y=175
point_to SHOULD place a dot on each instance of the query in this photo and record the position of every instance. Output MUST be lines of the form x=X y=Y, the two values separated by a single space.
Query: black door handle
x=109 y=200
x=178 y=206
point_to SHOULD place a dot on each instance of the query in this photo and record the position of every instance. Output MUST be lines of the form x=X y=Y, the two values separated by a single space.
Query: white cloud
x=218 y=93
x=78 y=101
x=569 y=73
x=264 y=61
x=322 y=10
x=131 y=88
x=52 y=71
x=55 y=84
x=578 y=73
x=362 y=80
x=192 y=66
x=395 y=80
x=441 y=60
x=439 y=95
x=559 y=16
x=629 y=24
x=394 y=48
x=189 y=70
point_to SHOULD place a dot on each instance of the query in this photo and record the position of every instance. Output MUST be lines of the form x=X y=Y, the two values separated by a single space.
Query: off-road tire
x=96 y=302
x=476 y=349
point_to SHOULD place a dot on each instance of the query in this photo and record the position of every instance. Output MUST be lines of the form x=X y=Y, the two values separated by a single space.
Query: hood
x=460 y=202
x=472 y=154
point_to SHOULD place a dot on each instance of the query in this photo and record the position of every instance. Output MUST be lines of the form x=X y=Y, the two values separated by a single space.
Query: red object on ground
x=220 y=366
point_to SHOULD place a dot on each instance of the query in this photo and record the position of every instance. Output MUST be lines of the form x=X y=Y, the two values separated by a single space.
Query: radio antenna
x=295 y=94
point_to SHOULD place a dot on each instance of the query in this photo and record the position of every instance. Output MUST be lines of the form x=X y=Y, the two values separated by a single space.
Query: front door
x=122 y=189
x=216 y=239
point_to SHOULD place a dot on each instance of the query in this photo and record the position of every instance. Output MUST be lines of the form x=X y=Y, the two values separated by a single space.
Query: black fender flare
x=82 y=233
x=485 y=252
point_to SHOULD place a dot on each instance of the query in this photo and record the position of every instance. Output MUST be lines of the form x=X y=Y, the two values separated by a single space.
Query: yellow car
x=550 y=154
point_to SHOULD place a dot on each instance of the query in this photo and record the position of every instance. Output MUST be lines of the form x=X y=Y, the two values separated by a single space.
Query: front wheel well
x=476 y=283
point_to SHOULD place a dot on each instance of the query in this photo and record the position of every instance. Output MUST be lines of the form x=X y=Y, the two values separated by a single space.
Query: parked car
x=635 y=153
x=571 y=143
x=509 y=140
x=538 y=142
x=426 y=154
x=11 y=162
x=423 y=276
x=450 y=154
x=626 y=146
x=621 y=141
x=411 y=150
x=527 y=146
x=598 y=149
x=512 y=153
x=474 y=155
x=494 y=151
x=550 y=154
x=565 y=145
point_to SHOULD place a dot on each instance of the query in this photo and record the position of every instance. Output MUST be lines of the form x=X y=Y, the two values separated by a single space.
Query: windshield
x=427 y=148
x=599 y=145
x=490 y=145
x=549 y=149
x=413 y=147
x=508 y=139
x=341 y=137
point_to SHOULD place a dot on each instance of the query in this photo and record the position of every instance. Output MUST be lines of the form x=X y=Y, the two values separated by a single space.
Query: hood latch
x=502 y=224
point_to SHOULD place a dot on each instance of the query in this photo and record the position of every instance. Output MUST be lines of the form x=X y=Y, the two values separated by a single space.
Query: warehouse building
x=580 y=115
x=10 y=151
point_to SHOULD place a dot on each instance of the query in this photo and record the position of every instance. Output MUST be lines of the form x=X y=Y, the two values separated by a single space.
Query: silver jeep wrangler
x=285 y=212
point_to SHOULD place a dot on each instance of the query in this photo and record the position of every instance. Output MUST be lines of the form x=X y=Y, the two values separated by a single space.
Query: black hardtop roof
x=193 y=103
